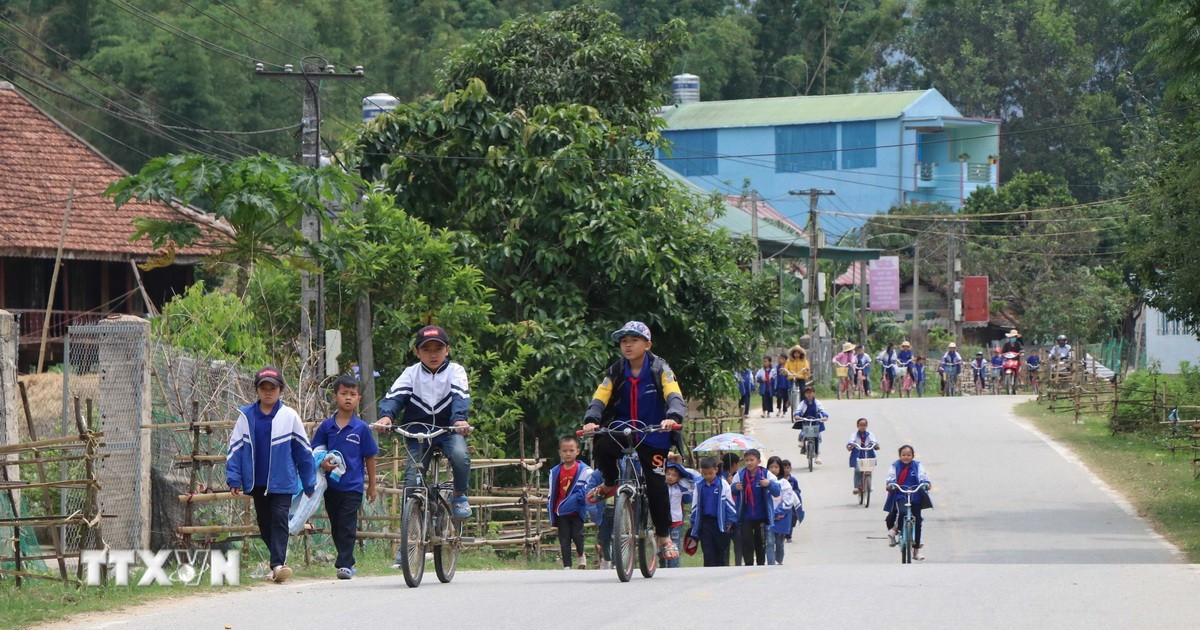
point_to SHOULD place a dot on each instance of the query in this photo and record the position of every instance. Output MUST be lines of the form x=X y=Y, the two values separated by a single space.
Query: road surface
x=1021 y=535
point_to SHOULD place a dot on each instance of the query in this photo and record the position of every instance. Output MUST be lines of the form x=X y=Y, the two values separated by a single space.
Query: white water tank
x=685 y=88
x=376 y=104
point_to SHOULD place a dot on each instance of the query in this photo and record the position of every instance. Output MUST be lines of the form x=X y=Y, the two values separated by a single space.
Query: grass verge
x=1156 y=482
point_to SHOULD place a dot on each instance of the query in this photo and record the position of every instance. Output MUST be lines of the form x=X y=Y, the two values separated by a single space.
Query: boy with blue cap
x=638 y=391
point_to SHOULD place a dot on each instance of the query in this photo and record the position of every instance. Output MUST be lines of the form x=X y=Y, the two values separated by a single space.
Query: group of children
x=736 y=503
x=271 y=458
x=774 y=382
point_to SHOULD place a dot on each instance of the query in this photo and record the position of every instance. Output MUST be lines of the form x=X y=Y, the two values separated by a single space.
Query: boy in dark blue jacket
x=269 y=458
x=713 y=513
x=745 y=383
x=566 y=503
x=755 y=487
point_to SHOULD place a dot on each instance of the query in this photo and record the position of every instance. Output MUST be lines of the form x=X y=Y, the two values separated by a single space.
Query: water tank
x=376 y=104
x=685 y=88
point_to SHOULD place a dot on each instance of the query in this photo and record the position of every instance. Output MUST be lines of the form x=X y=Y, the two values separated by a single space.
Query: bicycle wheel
x=906 y=549
x=647 y=541
x=445 y=554
x=624 y=535
x=412 y=540
x=810 y=445
x=866 y=489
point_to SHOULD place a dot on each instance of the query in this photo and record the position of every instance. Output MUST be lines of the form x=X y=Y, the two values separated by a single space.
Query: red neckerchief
x=751 y=483
x=903 y=476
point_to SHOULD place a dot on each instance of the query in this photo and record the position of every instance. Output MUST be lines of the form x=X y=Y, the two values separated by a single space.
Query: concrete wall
x=1169 y=343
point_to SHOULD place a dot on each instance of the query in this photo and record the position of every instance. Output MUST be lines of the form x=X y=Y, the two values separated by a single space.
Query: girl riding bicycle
x=906 y=473
x=859 y=440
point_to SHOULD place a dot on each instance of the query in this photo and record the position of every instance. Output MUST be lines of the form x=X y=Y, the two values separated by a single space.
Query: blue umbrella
x=729 y=442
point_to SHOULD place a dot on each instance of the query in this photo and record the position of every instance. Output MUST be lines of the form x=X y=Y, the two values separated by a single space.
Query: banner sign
x=975 y=299
x=883 y=275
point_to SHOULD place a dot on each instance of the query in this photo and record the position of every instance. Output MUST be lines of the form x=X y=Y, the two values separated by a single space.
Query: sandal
x=594 y=497
x=670 y=551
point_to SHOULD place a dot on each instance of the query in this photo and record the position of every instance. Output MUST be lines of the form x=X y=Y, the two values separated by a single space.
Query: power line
x=968 y=217
x=75 y=118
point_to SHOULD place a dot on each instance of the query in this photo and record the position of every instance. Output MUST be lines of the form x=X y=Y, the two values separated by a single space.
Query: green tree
x=572 y=224
x=261 y=199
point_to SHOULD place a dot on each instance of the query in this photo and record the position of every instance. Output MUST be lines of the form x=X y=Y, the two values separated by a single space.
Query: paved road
x=1021 y=535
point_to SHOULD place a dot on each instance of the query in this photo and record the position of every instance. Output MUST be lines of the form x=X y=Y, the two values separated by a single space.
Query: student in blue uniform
x=810 y=409
x=860 y=439
x=766 y=385
x=907 y=473
x=713 y=513
x=781 y=385
x=745 y=383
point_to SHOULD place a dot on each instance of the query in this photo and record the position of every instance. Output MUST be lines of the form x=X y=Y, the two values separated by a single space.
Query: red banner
x=975 y=299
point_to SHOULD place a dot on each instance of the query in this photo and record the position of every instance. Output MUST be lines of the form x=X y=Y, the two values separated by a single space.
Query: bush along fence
x=1163 y=408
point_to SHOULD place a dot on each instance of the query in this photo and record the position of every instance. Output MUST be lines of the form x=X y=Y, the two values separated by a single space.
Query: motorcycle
x=1011 y=370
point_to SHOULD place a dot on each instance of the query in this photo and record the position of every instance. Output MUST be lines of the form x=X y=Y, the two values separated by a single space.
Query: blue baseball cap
x=637 y=329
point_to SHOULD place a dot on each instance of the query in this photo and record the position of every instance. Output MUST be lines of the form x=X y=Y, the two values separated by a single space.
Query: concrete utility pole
x=312 y=285
x=916 y=290
x=952 y=267
x=814 y=308
x=862 y=287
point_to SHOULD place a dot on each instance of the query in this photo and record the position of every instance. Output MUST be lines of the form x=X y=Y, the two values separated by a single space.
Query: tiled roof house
x=40 y=161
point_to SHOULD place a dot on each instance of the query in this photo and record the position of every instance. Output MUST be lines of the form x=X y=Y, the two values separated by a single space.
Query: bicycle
x=865 y=465
x=810 y=433
x=907 y=383
x=1032 y=377
x=908 y=535
x=631 y=507
x=951 y=387
x=842 y=371
x=860 y=382
x=426 y=517
x=887 y=379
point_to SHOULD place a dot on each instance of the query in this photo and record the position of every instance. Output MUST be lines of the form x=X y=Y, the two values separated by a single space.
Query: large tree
x=552 y=187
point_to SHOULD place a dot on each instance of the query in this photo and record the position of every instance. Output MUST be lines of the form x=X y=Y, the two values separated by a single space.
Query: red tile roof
x=39 y=158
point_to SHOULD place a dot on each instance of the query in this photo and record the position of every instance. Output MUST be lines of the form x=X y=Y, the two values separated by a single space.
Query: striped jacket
x=438 y=398
x=291 y=467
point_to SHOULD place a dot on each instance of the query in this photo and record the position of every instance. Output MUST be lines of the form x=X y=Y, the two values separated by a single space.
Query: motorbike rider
x=1013 y=344
x=1061 y=351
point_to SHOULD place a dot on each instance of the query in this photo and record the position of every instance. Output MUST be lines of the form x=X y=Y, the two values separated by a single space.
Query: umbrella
x=729 y=442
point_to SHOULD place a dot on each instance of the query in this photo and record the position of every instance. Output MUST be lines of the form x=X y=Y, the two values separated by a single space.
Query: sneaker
x=893 y=538
x=566 y=568
x=581 y=564
x=344 y=573
x=461 y=508
x=281 y=574
x=817 y=462
x=918 y=556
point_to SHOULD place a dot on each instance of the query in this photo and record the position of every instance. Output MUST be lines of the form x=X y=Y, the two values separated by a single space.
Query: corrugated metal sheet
x=790 y=110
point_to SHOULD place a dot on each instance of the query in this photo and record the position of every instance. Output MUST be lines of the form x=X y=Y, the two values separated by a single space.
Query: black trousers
x=744 y=403
x=272 y=513
x=607 y=451
x=342 y=508
x=570 y=530
x=714 y=543
x=894 y=514
x=766 y=403
x=754 y=543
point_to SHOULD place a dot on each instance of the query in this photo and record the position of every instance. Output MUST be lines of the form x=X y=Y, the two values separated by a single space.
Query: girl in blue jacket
x=745 y=383
x=907 y=473
x=860 y=439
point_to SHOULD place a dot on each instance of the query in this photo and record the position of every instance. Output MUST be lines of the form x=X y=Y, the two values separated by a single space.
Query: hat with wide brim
x=1013 y=333
x=905 y=344
x=952 y=345
x=847 y=347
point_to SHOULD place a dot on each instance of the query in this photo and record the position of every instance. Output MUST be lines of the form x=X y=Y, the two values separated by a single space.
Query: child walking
x=349 y=437
x=269 y=457
x=755 y=487
x=765 y=385
x=680 y=483
x=745 y=383
x=566 y=504
x=781 y=384
x=713 y=513
x=780 y=527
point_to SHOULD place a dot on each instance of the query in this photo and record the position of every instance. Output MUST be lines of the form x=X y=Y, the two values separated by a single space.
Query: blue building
x=875 y=150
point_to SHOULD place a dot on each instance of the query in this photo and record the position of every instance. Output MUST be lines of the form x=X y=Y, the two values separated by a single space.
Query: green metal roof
x=789 y=110
x=773 y=241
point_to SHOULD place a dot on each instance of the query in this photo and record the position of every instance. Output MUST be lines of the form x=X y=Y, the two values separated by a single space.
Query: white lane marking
x=1119 y=499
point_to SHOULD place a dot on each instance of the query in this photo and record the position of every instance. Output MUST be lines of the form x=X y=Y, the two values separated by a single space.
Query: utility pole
x=916 y=290
x=862 y=288
x=312 y=285
x=756 y=267
x=814 y=309
x=951 y=280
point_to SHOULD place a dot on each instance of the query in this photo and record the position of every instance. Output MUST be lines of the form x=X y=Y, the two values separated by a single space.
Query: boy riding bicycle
x=434 y=392
x=638 y=392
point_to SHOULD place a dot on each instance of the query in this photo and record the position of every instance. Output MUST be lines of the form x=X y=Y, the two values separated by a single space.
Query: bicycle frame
x=908 y=529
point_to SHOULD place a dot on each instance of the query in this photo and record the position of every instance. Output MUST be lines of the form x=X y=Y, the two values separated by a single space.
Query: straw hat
x=847 y=347
x=1013 y=333
x=952 y=345
x=905 y=344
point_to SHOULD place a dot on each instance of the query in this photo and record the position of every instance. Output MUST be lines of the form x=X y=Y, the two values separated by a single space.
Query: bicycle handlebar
x=627 y=430
x=870 y=447
x=397 y=429
x=920 y=487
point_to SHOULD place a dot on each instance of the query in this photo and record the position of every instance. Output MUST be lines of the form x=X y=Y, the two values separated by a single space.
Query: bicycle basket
x=865 y=464
x=811 y=430
x=841 y=372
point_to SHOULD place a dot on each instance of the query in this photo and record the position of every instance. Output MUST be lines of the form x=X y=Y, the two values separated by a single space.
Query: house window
x=806 y=148
x=692 y=152
x=858 y=144
x=1168 y=326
